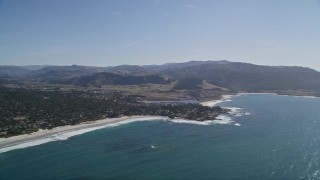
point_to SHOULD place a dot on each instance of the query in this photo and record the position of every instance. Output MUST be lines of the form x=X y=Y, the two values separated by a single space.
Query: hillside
x=13 y=71
x=194 y=83
x=58 y=73
x=167 y=66
x=106 y=78
x=249 y=77
x=234 y=76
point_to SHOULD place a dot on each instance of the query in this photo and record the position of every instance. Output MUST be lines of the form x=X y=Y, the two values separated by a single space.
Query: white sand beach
x=214 y=102
x=64 y=132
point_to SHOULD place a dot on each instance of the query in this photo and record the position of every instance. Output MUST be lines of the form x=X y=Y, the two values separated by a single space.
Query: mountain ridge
x=236 y=76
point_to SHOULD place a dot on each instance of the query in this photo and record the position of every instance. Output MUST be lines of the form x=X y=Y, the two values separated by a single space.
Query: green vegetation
x=189 y=83
x=24 y=110
x=40 y=97
x=249 y=77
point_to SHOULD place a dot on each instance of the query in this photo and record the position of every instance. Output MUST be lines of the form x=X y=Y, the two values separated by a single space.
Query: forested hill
x=234 y=76
x=106 y=78
x=243 y=76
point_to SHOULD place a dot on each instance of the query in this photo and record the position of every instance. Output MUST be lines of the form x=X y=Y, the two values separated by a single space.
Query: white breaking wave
x=66 y=135
x=235 y=111
x=27 y=144
x=183 y=121
x=221 y=119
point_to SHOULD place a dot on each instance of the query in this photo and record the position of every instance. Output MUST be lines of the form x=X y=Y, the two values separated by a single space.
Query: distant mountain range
x=234 y=76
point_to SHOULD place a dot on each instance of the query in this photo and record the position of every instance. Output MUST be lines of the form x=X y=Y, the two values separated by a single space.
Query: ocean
x=268 y=137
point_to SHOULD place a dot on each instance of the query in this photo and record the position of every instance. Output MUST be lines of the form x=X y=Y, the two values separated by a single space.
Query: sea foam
x=27 y=144
x=224 y=119
x=234 y=111
x=237 y=112
x=66 y=135
x=183 y=121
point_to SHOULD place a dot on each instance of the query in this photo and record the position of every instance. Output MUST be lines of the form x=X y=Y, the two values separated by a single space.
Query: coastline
x=212 y=103
x=277 y=94
x=227 y=97
x=64 y=132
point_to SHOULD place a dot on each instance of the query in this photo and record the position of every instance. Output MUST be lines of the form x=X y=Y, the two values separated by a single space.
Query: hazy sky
x=113 y=32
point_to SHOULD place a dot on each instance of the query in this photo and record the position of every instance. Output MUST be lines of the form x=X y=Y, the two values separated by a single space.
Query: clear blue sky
x=113 y=32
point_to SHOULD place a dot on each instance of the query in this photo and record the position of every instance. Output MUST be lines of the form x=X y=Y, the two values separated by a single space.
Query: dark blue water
x=279 y=140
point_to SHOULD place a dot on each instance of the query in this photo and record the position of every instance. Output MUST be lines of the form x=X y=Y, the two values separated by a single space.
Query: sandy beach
x=81 y=128
x=64 y=132
x=214 y=102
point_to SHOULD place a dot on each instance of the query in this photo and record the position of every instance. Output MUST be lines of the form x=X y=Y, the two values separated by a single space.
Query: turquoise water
x=279 y=140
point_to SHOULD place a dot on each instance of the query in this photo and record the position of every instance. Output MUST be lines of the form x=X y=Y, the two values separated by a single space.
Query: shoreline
x=277 y=94
x=227 y=97
x=212 y=103
x=65 y=132
x=48 y=135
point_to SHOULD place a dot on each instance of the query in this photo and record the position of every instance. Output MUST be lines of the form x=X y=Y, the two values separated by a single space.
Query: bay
x=280 y=139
